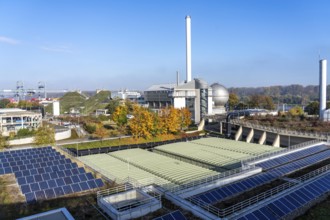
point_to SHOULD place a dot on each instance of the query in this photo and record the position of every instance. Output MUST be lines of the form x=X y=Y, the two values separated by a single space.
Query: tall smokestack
x=188 y=48
x=323 y=88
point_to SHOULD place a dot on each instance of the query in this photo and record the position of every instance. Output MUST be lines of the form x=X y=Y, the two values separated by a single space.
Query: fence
x=316 y=135
x=260 y=197
x=280 y=152
x=109 y=149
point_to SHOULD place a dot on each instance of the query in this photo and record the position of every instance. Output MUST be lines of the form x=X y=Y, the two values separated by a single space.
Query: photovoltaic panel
x=34 y=187
x=67 y=189
x=40 y=195
x=75 y=179
x=50 y=194
x=43 y=185
x=60 y=182
x=52 y=183
x=67 y=180
x=82 y=177
x=21 y=180
x=59 y=191
x=89 y=176
x=76 y=187
x=91 y=184
x=84 y=186
x=176 y=215
x=30 y=197
x=25 y=188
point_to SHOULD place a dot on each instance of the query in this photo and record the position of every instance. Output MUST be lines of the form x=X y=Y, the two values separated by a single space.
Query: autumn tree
x=120 y=115
x=296 y=111
x=142 y=123
x=101 y=132
x=171 y=119
x=45 y=135
x=233 y=101
x=185 y=118
x=113 y=104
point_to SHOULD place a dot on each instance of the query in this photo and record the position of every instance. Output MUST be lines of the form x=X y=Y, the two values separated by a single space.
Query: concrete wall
x=58 y=136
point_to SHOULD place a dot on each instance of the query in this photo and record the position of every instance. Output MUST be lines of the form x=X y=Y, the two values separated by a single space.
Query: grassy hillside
x=98 y=101
x=82 y=102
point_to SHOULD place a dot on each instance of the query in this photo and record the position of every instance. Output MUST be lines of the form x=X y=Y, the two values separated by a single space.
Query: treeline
x=144 y=123
x=292 y=94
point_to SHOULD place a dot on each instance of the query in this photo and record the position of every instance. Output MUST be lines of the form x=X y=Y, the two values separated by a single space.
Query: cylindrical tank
x=220 y=94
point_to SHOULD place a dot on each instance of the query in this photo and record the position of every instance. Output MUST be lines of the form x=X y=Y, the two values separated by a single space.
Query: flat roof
x=56 y=214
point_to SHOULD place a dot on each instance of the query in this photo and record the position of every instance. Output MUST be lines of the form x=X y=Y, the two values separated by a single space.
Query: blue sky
x=71 y=44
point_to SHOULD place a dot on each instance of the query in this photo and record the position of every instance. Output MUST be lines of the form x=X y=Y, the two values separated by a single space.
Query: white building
x=13 y=119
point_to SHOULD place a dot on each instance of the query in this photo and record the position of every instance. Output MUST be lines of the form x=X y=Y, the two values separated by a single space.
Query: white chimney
x=188 y=48
x=323 y=88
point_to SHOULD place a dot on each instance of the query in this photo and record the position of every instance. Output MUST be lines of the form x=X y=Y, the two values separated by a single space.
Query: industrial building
x=14 y=119
x=194 y=94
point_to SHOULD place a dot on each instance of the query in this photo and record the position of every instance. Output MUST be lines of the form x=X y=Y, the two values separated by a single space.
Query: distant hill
x=292 y=94
x=82 y=102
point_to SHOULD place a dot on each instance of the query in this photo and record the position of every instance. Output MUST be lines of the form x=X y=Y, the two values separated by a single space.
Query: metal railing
x=318 y=135
x=260 y=197
x=280 y=152
x=209 y=179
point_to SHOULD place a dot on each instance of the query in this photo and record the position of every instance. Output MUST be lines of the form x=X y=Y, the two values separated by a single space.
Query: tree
x=3 y=141
x=313 y=108
x=120 y=115
x=185 y=118
x=296 y=111
x=142 y=124
x=171 y=119
x=233 y=101
x=44 y=135
x=101 y=132
x=268 y=103
x=113 y=104
x=4 y=103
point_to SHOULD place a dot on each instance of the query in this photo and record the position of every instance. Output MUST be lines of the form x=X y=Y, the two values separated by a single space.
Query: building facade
x=12 y=120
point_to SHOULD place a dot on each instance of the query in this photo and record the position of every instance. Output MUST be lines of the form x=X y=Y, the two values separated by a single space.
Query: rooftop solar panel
x=82 y=177
x=52 y=183
x=25 y=188
x=60 y=182
x=75 y=179
x=89 y=176
x=40 y=195
x=59 y=191
x=76 y=187
x=21 y=180
x=67 y=189
x=30 y=197
x=29 y=179
x=34 y=187
x=8 y=170
x=84 y=186
x=91 y=184
x=99 y=182
x=67 y=180
x=43 y=185
x=33 y=171
x=50 y=194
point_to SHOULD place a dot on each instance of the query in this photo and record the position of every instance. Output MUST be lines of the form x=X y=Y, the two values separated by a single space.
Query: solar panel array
x=290 y=202
x=176 y=215
x=43 y=173
x=219 y=194
x=290 y=157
